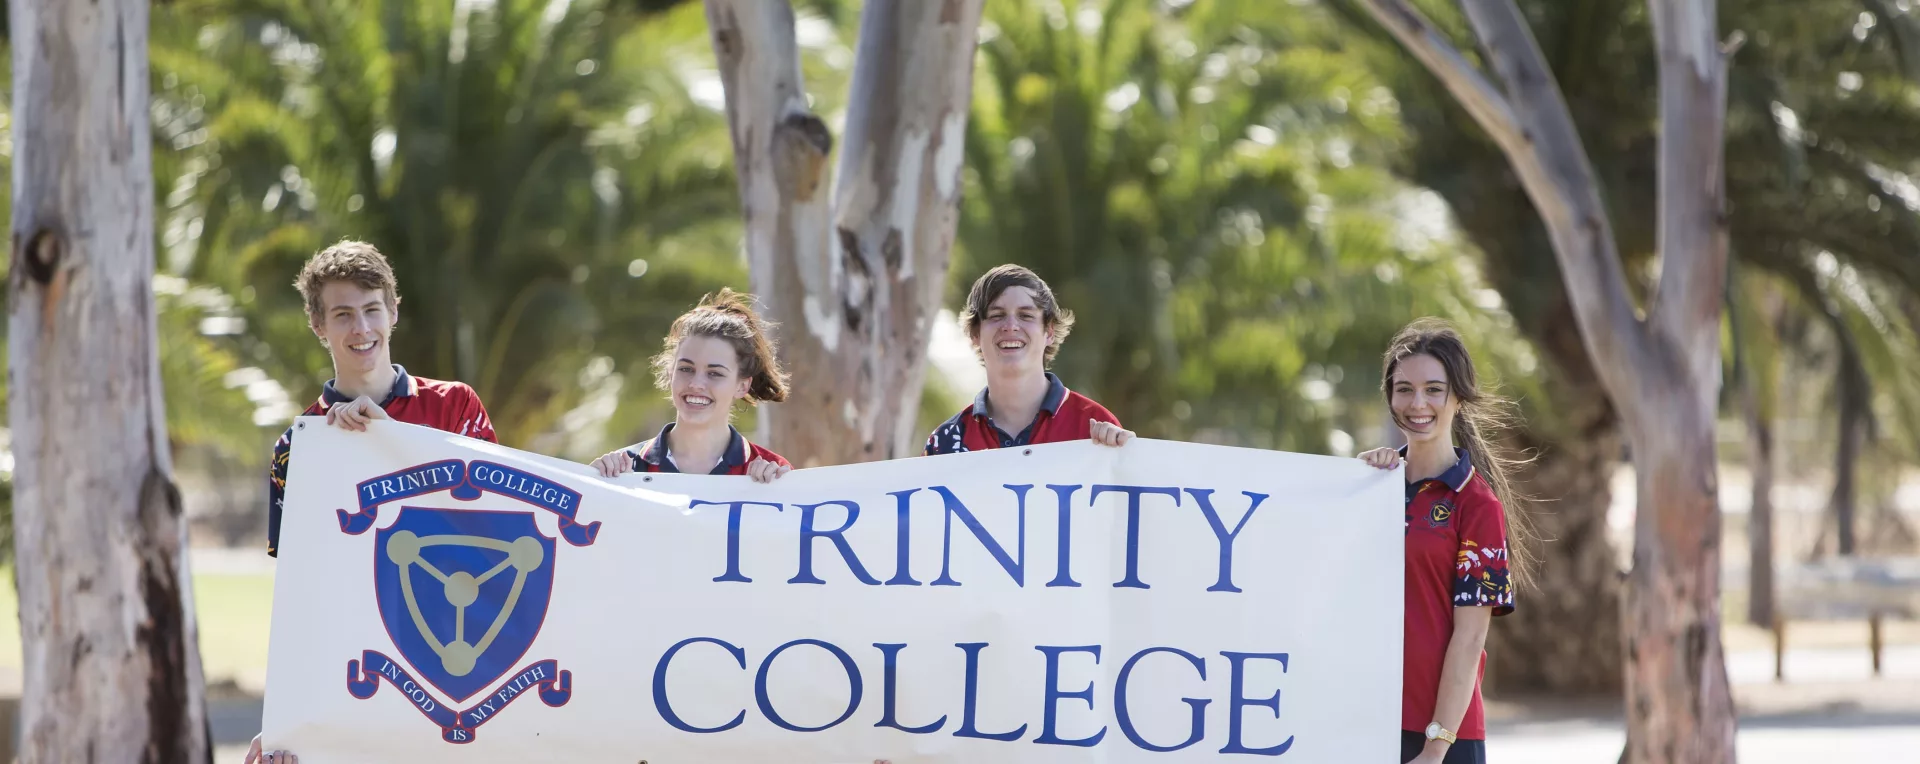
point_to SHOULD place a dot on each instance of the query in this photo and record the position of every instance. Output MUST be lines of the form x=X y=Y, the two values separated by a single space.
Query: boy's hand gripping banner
x=444 y=599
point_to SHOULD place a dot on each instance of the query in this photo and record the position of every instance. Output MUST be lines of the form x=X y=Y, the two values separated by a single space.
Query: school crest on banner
x=463 y=593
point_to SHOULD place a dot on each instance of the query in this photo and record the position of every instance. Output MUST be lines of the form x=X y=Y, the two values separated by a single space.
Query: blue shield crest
x=463 y=593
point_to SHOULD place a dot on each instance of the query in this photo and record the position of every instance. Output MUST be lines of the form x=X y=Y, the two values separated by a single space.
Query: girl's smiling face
x=706 y=380
x=1422 y=398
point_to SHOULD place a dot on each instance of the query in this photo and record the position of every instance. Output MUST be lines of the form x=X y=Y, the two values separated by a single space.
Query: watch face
x=1433 y=730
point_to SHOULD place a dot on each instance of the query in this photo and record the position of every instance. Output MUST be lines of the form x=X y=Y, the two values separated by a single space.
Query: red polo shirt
x=1456 y=557
x=653 y=456
x=450 y=406
x=1064 y=415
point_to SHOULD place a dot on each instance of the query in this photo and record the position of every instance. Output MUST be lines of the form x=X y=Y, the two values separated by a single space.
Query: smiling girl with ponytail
x=1461 y=511
x=720 y=352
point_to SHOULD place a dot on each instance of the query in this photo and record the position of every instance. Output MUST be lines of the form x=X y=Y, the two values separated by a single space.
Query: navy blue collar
x=655 y=452
x=1457 y=476
x=1056 y=394
x=402 y=388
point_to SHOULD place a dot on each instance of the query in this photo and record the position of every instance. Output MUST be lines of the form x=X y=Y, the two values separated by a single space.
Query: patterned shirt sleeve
x=277 y=490
x=948 y=438
x=1481 y=575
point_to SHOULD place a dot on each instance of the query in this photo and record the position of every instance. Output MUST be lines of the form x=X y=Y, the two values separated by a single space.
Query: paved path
x=1601 y=745
x=1840 y=737
x=1599 y=742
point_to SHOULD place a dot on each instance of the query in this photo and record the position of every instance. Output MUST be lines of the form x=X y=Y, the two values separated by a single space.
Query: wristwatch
x=1434 y=730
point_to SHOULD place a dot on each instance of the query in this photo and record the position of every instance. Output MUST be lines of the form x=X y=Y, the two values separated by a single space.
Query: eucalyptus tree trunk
x=853 y=271
x=111 y=663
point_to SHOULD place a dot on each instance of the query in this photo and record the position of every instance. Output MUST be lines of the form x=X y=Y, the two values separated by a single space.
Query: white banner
x=443 y=599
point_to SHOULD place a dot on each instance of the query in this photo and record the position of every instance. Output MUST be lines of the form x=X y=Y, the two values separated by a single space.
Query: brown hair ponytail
x=729 y=315
x=1482 y=413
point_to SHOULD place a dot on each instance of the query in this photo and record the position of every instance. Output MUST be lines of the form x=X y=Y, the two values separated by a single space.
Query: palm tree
x=1204 y=185
x=1832 y=214
x=551 y=180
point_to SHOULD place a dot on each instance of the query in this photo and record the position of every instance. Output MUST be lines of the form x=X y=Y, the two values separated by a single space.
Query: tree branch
x=895 y=202
x=1534 y=129
x=852 y=272
x=1552 y=164
x=779 y=146
x=1462 y=79
x=1692 y=236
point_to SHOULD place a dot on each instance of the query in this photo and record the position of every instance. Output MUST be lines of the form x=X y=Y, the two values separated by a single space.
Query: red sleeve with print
x=1481 y=574
x=474 y=422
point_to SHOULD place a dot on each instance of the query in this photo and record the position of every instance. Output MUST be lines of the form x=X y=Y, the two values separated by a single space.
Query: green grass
x=9 y=624
x=233 y=613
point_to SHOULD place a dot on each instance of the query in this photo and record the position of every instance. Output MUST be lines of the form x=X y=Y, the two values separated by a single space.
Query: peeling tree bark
x=112 y=665
x=854 y=281
x=1662 y=372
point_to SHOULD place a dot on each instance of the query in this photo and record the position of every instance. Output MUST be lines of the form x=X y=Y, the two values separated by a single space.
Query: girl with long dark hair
x=1461 y=513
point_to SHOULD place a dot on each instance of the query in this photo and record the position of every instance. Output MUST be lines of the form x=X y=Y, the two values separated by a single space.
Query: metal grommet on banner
x=300 y=425
x=1028 y=452
x=647 y=479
